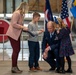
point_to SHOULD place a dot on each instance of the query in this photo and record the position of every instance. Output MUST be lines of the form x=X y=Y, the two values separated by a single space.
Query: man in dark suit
x=51 y=52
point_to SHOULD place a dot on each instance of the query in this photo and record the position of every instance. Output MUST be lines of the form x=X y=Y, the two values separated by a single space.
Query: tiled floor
x=5 y=69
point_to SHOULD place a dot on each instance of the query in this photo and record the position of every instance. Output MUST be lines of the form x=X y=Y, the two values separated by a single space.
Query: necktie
x=51 y=35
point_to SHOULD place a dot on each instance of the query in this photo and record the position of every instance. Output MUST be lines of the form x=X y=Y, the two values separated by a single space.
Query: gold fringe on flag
x=74 y=3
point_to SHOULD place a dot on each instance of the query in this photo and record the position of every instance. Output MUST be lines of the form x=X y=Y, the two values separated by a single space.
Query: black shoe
x=57 y=70
x=62 y=71
x=51 y=69
x=69 y=71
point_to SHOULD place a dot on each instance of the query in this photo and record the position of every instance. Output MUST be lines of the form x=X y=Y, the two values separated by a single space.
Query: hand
x=42 y=30
x=47 y=49
x=25 y=28
x=45 y=55
x=58 y=31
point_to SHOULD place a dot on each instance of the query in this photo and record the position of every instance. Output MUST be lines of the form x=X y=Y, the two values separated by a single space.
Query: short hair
x=36 y=14
x=53 y=23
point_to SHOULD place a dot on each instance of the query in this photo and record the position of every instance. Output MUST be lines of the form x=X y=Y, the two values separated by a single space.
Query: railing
x=6 y=49
x=29 y=15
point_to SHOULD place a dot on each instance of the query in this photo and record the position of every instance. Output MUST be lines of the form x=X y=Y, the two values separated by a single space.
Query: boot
x=15 y=70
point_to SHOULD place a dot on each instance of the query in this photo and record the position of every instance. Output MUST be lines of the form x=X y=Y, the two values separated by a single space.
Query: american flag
x=48 y=13
x=64 y=13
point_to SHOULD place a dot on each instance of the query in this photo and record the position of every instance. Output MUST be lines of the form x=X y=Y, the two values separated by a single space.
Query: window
x=9 y=6
x=17 y=3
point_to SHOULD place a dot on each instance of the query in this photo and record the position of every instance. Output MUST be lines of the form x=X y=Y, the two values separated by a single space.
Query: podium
x=3 y=29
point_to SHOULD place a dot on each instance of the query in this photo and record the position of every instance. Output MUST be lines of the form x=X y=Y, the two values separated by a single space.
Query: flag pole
x=44 y=21
x=44 y=15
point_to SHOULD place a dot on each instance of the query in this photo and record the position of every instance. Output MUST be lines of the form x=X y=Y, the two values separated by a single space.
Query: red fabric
x=47 y=45
x=68 y=22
